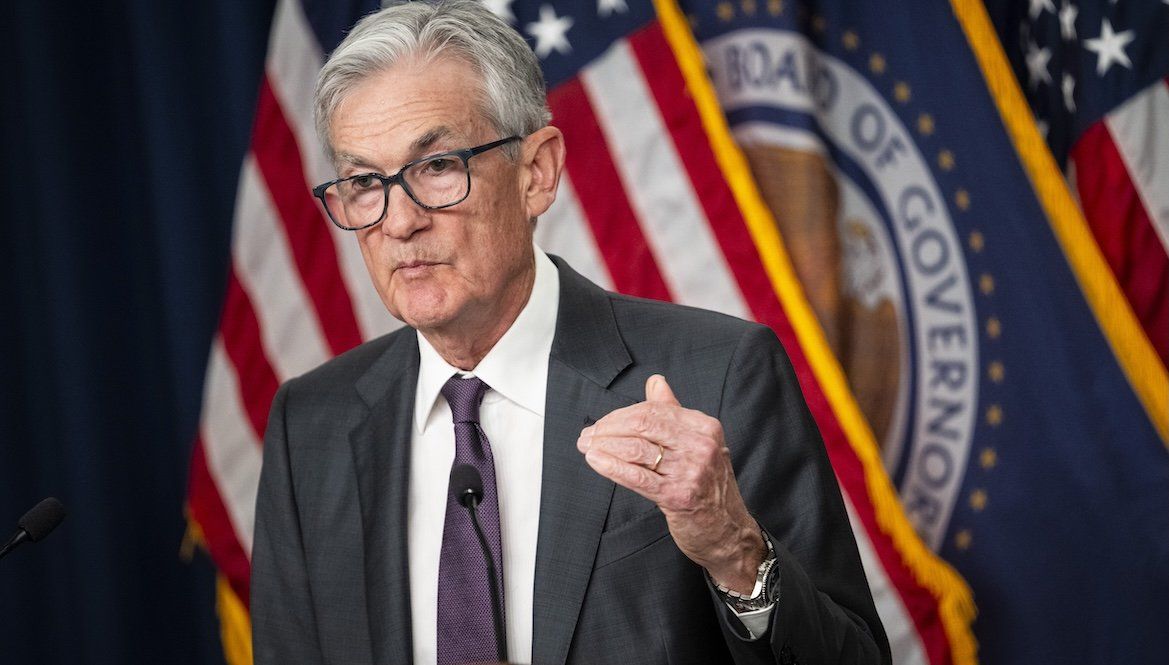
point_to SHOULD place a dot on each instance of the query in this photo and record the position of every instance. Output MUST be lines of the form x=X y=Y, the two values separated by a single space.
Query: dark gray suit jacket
x=329 y=566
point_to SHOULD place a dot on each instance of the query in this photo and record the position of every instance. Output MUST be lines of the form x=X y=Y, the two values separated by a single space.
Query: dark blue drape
x=124 y=124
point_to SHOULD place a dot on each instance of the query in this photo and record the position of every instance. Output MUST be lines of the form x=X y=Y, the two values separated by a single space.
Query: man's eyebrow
x=355 y=160
x=428 y=139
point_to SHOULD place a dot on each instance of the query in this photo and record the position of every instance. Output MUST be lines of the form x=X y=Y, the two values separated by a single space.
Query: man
x=653 y=487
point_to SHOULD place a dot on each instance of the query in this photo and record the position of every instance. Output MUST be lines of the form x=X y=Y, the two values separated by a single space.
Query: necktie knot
x=464 y=396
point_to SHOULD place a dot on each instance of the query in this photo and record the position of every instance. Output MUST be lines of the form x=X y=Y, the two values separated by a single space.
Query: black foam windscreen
x=42 y=518
x=466 y=483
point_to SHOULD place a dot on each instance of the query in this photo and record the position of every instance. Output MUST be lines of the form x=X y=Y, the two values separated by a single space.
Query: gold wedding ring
x=661 y=451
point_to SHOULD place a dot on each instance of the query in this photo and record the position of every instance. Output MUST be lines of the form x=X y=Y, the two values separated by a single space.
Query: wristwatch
x=762 y=595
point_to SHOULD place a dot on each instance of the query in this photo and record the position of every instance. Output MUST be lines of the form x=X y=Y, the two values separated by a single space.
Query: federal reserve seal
x=874 y=242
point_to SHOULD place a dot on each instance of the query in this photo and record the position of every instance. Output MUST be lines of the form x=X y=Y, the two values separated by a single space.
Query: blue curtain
x=124 y=124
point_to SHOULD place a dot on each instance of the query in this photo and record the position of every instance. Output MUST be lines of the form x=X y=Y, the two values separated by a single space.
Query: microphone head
x=42 y=518
x=466 y=484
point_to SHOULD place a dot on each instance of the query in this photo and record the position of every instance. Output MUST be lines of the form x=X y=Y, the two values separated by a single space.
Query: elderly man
x=653 y=487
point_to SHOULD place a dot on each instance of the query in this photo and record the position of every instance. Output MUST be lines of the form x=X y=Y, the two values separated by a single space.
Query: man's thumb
x=657 y=390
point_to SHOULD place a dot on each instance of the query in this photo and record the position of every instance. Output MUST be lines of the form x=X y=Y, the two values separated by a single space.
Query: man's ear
x=542 y=162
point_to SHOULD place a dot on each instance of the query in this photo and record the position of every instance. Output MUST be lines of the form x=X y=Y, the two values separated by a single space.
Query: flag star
x=501 y=8
x=1109 y=48
x=1037 y=59
x=1043 y=127
x=606 y=8
x=1067 y=21
x=550 y=32
x=1069 y=88
x=1037 y=7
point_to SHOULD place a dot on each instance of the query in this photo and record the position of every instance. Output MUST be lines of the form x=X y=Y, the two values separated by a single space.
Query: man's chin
x=424 y=316
x=421 y=304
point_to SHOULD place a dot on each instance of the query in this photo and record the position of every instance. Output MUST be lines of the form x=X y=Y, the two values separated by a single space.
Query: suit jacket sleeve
x=283 y=627
x=824 y=612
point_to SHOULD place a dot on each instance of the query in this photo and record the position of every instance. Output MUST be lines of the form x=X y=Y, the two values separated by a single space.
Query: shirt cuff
x=755 y=621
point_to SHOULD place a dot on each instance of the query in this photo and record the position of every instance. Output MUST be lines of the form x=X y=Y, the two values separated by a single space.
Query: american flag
x=657 y=202
x=1096 y=75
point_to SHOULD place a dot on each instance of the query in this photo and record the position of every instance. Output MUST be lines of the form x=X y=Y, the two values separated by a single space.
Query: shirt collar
x=517 y=366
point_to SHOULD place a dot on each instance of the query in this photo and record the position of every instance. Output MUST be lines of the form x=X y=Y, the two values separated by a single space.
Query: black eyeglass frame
x=387 y=180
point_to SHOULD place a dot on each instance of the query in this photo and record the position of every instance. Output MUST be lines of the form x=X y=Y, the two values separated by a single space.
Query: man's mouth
x=412 y=268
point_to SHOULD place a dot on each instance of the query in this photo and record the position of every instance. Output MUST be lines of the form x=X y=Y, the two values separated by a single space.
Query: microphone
x=36 y=524
x=467 y=489
x=466 y=485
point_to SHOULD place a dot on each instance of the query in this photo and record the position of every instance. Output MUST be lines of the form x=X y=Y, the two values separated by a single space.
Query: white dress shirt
x=512 y=416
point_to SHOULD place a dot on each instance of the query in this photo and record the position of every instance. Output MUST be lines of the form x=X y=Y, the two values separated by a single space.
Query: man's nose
x=404 y=217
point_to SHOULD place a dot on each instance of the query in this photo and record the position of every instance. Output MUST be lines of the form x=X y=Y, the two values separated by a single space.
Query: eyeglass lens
x=361 y=200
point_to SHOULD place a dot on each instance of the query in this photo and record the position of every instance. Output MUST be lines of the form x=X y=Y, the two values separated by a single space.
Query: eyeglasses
x=438 y=181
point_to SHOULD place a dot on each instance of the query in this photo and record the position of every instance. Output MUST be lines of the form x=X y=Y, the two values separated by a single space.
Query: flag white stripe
x=232 y=451
x=904 y=640
x=293 y=63
x=658 y=185
x=564 y=230
x=291 y=333
x=1140 y=131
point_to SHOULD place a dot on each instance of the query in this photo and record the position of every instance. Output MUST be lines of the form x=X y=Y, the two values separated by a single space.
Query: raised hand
x=677 y=458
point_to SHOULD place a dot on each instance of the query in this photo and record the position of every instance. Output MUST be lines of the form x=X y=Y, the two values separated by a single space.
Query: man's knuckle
x=652 y=482
x=642 y=422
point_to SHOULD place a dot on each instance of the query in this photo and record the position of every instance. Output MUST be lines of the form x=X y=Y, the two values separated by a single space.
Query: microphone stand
x=17 y=539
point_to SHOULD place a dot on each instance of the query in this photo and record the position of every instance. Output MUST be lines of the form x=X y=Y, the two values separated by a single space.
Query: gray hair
x=512 y=93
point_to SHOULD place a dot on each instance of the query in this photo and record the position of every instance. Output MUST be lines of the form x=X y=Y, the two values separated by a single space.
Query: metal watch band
x=759 y=596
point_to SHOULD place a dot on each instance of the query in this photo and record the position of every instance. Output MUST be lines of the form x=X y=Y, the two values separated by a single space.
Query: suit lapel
x=381 y=453
x=587 y=354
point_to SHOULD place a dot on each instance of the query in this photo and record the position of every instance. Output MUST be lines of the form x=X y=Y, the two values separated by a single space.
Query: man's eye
x=366 y=181
x=438 y=165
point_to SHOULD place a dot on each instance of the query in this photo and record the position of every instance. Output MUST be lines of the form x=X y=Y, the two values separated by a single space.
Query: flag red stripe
x=602 y=196
x=218 y=533
x=279 y=159
x=240 y=331
x=681 y=117
x=1125 y=233
x=682 y=120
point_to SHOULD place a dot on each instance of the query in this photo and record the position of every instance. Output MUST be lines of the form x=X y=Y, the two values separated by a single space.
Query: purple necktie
x=466 y=630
